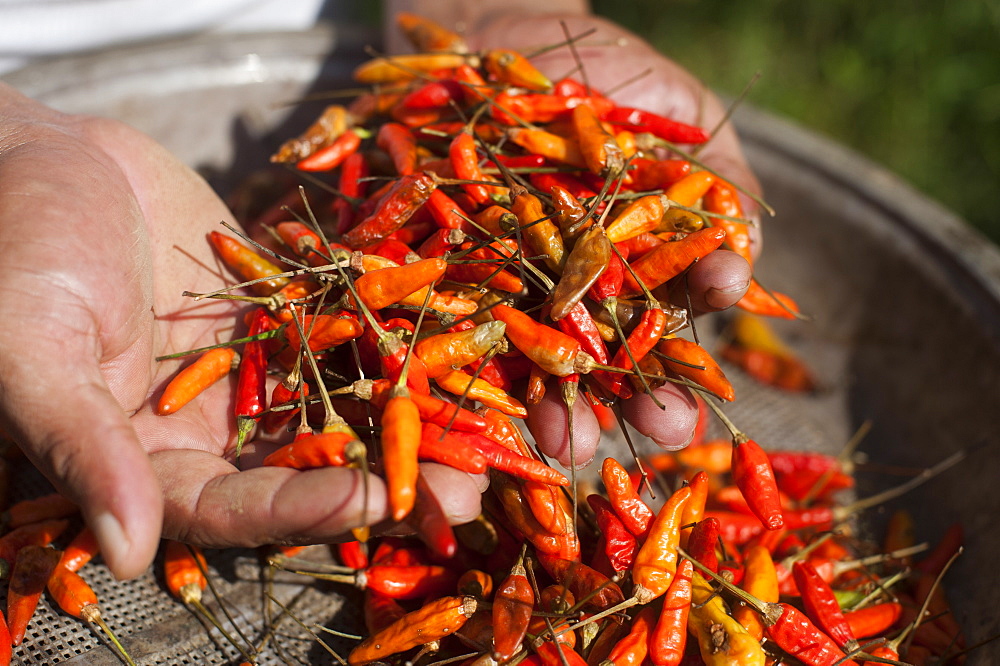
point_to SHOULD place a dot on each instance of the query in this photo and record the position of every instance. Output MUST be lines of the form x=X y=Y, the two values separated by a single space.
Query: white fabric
x=42 y=28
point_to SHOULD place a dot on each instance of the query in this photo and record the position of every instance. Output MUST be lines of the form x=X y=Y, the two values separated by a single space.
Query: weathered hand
x=101 y=231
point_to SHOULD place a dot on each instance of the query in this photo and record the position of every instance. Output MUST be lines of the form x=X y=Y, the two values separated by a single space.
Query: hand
x=609 y=56
x=101 y=231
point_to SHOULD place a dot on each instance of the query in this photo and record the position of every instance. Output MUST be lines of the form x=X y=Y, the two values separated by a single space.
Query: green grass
x=912 y=85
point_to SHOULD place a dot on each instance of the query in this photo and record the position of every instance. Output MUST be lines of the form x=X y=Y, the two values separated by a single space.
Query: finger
x=210 y=503
x=671 y=428
x=548 y=424
x=457 y=492
x=89 y=451
x=717 y=281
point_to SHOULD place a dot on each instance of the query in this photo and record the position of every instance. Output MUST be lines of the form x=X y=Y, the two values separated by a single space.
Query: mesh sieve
x=905 y=303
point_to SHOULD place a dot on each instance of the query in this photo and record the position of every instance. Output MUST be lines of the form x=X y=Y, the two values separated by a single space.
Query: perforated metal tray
x=905 y=300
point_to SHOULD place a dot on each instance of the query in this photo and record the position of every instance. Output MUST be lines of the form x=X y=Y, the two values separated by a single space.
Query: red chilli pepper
x=638 y=120
x=331 y=157
x=406 y=195
x=512 y=607
x=251 y=389
x=822 y=606
x=753 y=475
x=702 y=542
x=620 y=545
x=796 y=635
x=634 y=513
x=640 y=341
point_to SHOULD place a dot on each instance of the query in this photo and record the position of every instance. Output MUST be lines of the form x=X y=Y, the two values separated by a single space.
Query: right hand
x=101 y=230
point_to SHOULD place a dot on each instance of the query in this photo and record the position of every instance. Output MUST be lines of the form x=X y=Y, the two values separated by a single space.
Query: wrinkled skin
x=100 y=232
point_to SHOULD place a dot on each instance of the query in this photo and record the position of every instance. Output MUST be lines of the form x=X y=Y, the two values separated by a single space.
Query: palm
x=105 y=231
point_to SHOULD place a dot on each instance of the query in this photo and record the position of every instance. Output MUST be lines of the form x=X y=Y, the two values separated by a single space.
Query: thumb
x=87 y=448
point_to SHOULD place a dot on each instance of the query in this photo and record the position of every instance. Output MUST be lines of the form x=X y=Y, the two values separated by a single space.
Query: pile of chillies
x=484 y=228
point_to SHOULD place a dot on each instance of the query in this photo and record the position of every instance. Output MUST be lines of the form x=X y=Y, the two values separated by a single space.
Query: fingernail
x=110 y=535
x=723 y=298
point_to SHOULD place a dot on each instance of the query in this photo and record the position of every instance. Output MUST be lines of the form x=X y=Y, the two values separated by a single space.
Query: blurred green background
x=913 y=85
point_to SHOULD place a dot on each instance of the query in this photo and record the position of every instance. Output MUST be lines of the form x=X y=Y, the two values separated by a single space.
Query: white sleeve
x=41 y=28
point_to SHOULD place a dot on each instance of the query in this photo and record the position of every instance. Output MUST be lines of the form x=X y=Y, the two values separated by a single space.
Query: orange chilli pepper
x=694 y=508
x=381 y=288
x=722 y=198
x=551 y=146
x=327 y=449
x=459 y=383
x=400 y=444
x=429 y=36
x=184 y=577
x=760 y=579
x=397 y=68
x=445 y=352
x=32 y=570
x=433 y=621
x=401 y=144
x=324 y=331
x=553 y=350
x=248 y=264
x=194 y=379
x=518 y=512
x=669 y=638
x=670 y=259
x=512 y=68
x=81 y=549
x=599 y=148
x=874 y=620
x=74 y=596
x=758 y=301
x=538 y=229
x=656 y=562
x=46 y=507
x=465 y=162
x=639 y=216
x=39 y=534
x=689 y=189
x=680 y=354
x=632 y=649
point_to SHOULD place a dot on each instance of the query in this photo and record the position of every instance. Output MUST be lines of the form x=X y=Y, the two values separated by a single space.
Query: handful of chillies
x=489 y=226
